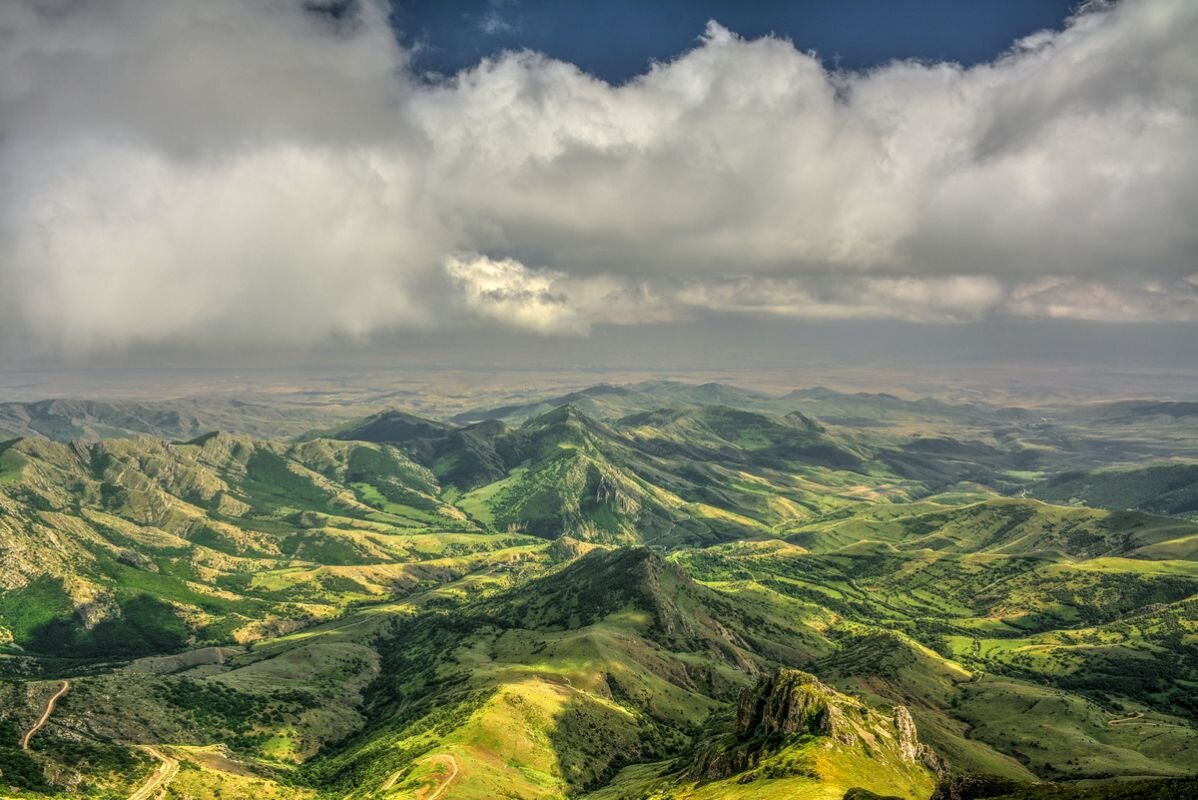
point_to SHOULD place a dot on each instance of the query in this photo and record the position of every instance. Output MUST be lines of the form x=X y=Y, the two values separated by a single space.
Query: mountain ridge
x=576 y=606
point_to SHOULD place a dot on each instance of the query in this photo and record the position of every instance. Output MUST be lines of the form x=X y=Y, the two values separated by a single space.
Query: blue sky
x=617 y=39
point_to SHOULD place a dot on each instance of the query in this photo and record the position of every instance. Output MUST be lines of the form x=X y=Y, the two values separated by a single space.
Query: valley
x=656 y=590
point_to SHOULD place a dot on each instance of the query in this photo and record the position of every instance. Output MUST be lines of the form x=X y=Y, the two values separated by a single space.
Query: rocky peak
x=788 y=702
x=913 y=750
x=788 y=706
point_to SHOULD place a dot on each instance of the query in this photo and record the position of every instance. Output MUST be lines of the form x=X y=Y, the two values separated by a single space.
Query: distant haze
x=995 y=362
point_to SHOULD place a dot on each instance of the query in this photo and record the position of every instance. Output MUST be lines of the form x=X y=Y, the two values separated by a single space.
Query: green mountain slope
x=666 y=477
x=1165 y=489
x=697 y=593
x=89 y=420
x=794 y=737
x=128 y=547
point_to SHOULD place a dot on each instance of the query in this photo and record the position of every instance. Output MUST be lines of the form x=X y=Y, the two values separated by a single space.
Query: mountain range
x=652 y=591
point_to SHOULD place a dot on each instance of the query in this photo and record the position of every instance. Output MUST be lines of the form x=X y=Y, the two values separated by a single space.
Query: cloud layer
x=246 y=171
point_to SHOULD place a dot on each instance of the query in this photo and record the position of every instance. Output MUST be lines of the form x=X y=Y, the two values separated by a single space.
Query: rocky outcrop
x=789 y=702
x=715 y=762
x=787 y=705
x=914 y=751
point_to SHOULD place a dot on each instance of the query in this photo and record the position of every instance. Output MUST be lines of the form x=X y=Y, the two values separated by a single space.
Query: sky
x=617 y=40
x=207 y=179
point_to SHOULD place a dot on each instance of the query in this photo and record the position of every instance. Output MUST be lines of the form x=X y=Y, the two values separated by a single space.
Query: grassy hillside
x=662 y=591
x=131 y=547
x=1165 y=489
x=89 y=420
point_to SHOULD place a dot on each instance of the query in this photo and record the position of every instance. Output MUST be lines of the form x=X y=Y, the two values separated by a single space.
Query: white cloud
x=549 y=301
x=241 y=170
x=509 y=292
x=168 y=251
x=1072 y=298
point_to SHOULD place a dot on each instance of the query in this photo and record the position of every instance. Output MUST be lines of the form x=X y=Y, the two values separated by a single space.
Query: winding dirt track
x=166 y=772
x=37 y=726
x=386 y=787
x=453 y=773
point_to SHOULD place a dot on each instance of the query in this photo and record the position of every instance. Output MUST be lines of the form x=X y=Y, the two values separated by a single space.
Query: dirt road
x=386 y=787
x=166 y=772
x=37 y=726
x=453 y=774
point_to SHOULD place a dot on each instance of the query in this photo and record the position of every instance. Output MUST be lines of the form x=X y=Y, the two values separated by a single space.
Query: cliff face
x=787 y=707
x=913 y=750
x=789 y=702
